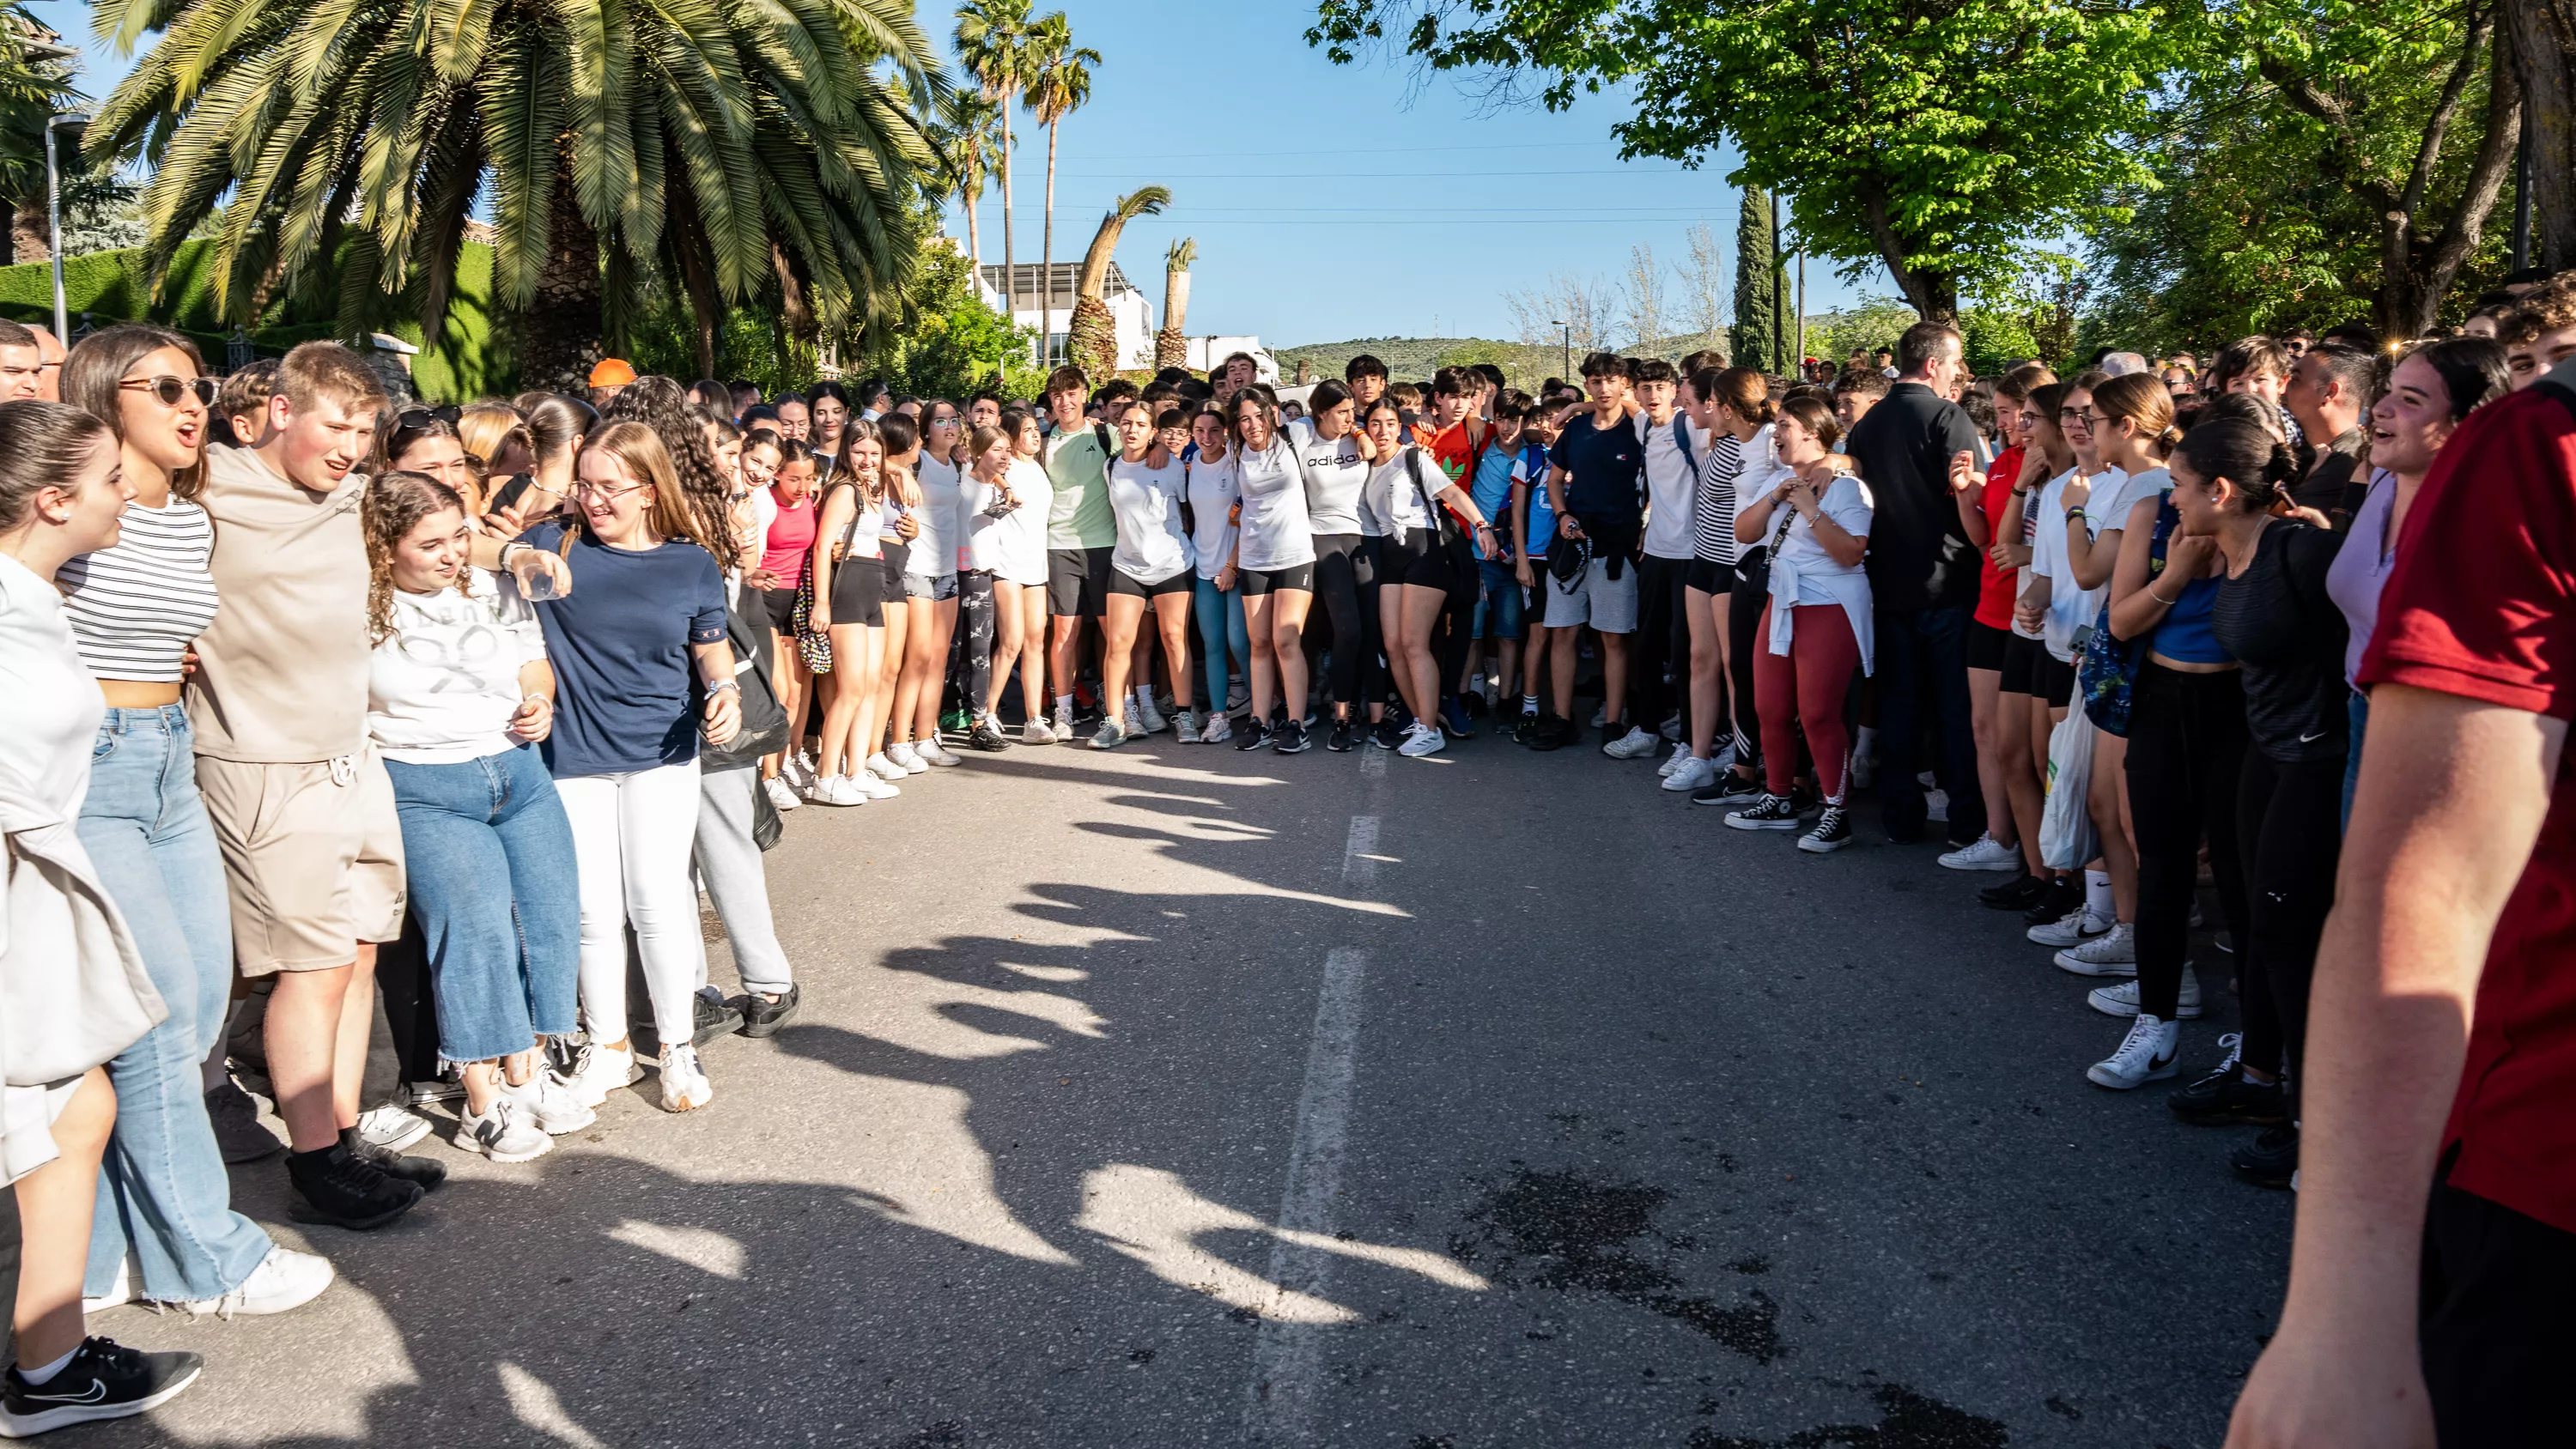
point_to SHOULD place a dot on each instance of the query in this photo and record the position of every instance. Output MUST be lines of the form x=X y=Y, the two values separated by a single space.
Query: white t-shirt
x=442 y=687
x=1275 y=532
x=1023 y=530
x=1146 y=503
x=2071 y=610
x=54 y=705
x=1762 y=472
x=1213 y=492
x=1670 y=481
x=1335 y=474
x=1804 y=575
x=1393 y=496
x=943 y=520
x=984 y=534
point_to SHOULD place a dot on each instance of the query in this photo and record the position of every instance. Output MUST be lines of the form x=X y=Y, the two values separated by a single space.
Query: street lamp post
x=1569 y=345
x=54 y=219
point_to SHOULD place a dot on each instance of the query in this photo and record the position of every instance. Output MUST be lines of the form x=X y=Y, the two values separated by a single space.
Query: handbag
x=2067 y=838
x=2106 y=671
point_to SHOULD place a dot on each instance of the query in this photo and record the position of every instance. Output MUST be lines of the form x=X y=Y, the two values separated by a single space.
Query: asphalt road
x=1176 y=1096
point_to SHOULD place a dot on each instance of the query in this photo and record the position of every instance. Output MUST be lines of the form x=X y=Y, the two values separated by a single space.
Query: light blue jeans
x=162 y=1189
x=1220 y=616
x=487 y=855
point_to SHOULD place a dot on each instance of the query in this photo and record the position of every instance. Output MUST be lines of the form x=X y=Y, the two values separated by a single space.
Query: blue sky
x=1328 y=201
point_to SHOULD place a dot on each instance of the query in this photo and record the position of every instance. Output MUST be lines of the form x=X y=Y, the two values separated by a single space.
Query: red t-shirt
x=1995 y=587
x=2481 y=603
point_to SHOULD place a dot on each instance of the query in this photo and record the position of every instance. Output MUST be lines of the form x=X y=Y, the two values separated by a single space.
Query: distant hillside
x=1414 y=359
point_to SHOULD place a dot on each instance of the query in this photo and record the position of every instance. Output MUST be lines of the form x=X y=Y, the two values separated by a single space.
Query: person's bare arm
x=1566 y=527
x=2135 y=607
x=524 y=562
x=2452 y=795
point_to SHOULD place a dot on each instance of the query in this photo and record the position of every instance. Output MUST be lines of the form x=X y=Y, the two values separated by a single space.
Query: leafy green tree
x=1928 y=136
x=1754 y=341
x=737 y=149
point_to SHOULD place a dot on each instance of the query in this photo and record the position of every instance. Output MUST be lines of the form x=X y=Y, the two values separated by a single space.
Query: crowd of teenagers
x=318 y=699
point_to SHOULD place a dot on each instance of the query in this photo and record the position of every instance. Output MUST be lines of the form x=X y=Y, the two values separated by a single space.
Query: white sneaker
x=392 y=1127
x=906 y=758
x=1218 y=729
x=1421 y=739
x=284 y=1280
x=1690 y=775
x=2072 y=929
x=2146 y=1054
x=798 y=770
x=2122 y=1000
x=1864 y=768
x=837 y=790
x=1035 y=732
x=884 y=768
x=1185 y=729
x=1133 y=720
x=873 y=785
x=1671 y=729
x=1063 y=721
x=931 y=752
x=119 y=1292
x=782 y=796
x=1237 y=694
x=1673 y=761
x=1636 y=744
x=602 y=1070
x=2113 y=953
x=684 y=1084
x=547 y=1103
x=1601 y=716
x=1985 y=854
x=1150 y=718
x=1109 y=736
x=504 y=1133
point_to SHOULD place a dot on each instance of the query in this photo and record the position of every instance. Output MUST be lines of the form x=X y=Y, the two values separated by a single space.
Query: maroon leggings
x=1805 y=687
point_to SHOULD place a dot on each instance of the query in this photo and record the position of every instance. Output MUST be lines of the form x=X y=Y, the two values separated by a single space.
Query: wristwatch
x=721 y=685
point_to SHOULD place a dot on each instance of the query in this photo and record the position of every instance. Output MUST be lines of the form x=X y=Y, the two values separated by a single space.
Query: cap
x=611 y=372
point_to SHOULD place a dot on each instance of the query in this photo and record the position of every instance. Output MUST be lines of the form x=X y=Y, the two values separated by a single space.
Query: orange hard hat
x=611 y=372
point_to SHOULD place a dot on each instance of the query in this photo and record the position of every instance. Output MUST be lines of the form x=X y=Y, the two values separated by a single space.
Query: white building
x=1128 y=310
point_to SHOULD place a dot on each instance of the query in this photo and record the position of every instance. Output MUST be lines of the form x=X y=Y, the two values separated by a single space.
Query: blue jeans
x=1220 y=617
x=1498 y=601
x=162 y=1188
x=2358 y=711
x=1922 y=672
x=488 y=853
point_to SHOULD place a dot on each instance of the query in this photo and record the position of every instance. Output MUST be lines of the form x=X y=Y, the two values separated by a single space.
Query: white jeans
x=631 y=836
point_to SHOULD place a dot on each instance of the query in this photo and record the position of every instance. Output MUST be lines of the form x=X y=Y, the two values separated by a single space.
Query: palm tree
x=993 y=46
x=731 y=150
x=1059 y=84
x=1171 y=345
x=966 y=142
x=1091 y=339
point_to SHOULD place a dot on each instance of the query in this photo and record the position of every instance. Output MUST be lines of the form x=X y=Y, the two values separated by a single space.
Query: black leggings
x=975 y=611
x=2186 y=753
x=1346 y=585
x=411 y=1001
x=1743 y=623
x=2288 y=822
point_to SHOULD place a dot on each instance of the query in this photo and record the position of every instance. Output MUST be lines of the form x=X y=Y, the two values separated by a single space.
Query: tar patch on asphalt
x=1559 y=1231
x=1907 y=1421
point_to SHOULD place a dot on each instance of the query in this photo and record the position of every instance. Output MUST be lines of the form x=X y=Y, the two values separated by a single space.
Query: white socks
x=45 y=1374
x=2097 y=895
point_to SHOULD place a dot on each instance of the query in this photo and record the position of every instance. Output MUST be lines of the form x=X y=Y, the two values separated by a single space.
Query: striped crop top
x=135 y=608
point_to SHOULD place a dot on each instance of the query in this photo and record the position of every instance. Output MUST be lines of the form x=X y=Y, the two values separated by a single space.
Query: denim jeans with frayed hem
x=489 y=856
x=162 y=1188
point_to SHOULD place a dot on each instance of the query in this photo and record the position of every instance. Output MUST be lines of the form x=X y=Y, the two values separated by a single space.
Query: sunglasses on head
x=167 y=390
x=422 y=417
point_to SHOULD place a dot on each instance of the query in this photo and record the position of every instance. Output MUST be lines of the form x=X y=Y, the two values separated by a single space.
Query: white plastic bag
x=2066 y=836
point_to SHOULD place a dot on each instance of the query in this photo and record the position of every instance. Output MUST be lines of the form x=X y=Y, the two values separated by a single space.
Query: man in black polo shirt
x=1923 y=584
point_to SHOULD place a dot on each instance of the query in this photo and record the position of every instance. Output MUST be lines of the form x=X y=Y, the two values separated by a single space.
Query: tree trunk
x=1046 y=261
x=1091 y=338
x=1171 y=345
x=2434 y=265
x=2544 y=58
x=28 y=235
x=974 y=234
x=560 y=330
x=1009 y=285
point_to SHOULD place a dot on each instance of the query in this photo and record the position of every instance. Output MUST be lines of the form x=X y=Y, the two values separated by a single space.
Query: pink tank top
x=789 y=548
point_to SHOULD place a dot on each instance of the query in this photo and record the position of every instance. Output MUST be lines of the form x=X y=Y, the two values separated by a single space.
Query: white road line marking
x=1287 y=1358
x=1372 y=763
x=1359 y=866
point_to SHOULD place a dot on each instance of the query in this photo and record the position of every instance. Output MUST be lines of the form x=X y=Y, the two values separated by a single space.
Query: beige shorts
x=313 y=853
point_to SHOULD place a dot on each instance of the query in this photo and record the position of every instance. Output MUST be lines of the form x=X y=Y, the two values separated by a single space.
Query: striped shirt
x=135 y=608
x=1713 y=501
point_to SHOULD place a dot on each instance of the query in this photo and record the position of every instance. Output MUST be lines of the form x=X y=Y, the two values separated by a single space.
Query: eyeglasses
x=605 y=493
x=168 y=390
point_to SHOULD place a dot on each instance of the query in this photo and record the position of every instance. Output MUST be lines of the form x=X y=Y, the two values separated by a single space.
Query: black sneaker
x=1385 y=734
x=1552 y=733
x=104 y=1380
x=712 y=1015
x=1522 y=726
x=1252 y=736
x=2225 y=1099
x=1832 y=833
x=763 y=1017
x=238 y=1134
x=2268 y=1160
x=2018 y=894
x=1729 y=789
x=2065 y=893
x=339 y=1187
x=986 y=738
x=1771 y=812
x=1473 y=701
x=1344 y=733
x=1292 y=738
x=422 y=1172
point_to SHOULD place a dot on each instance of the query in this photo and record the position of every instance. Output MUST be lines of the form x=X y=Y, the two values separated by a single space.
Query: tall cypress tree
x=1755 y=337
